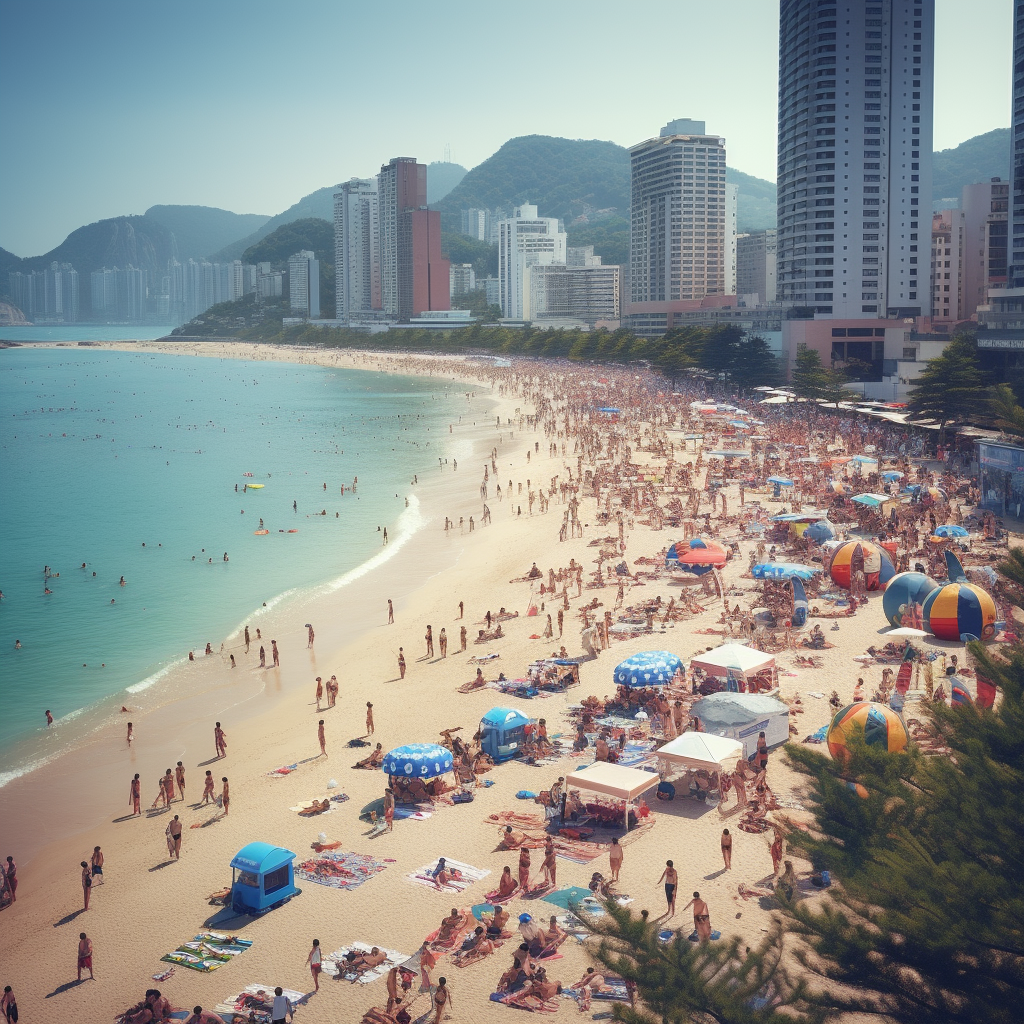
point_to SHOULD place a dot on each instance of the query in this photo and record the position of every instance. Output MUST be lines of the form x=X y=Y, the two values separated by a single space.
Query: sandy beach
x=148 y=905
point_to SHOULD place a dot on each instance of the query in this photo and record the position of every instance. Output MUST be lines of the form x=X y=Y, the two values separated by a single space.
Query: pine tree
x=950 y=387
x=755 y=363
x=1006 y=410
x=809 y=374
x=926 y=925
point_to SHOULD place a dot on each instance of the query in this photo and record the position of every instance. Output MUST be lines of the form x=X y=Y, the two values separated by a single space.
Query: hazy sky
x=111 y=106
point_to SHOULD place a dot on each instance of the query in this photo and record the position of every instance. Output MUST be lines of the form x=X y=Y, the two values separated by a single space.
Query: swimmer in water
x=122 y=583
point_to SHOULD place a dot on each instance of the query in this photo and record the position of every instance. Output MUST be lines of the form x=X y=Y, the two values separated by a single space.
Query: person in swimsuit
x=524 y=868
x=135 y=795
x=671 y=880
x=507 y=886
x=322 y=738
x=220 y=740
x=86 y=883
x=727 y=849
x=84 y=955
x=179 y=776
x=442 y=999
x=315 y=962
x=615 y=858
x=208 y=788
x=96 y=865
x=548 y=867
x=701 y=918
x=225 y=796
x=9 y=1005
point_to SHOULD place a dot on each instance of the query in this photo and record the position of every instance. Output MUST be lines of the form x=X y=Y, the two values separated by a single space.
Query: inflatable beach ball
x=958 y=610
x=904 y=598
x=861 y=554
x=878 y=724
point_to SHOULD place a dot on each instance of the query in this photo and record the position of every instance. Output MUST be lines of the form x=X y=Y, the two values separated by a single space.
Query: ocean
x=136 y=464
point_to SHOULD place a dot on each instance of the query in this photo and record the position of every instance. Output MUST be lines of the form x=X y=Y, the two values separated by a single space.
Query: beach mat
x=207 y=951
x=413 y=812
x=469 y=874
x=334 y=966
x=339 y=870
x=563 y=897
x=245 y=1004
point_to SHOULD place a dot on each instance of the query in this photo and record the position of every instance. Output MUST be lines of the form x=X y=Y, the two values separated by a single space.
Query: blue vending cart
x=501 y=733
x=263 y=876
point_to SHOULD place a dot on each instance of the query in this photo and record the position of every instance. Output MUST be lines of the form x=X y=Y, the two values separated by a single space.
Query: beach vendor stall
x=501 y=733
x=741 y=716
x=700 y=757
x=407 y=767
x=262 y=877
x=736 y=667
x=623 y=786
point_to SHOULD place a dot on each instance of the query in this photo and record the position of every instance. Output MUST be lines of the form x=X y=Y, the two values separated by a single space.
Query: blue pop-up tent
x=262 y=877
x=501 y=733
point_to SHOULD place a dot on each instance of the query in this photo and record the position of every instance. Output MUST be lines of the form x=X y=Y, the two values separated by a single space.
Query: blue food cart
x=501 y=733
x=263 y=877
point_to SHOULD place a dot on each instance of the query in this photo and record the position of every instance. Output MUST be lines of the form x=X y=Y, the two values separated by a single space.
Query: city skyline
x=134 y=147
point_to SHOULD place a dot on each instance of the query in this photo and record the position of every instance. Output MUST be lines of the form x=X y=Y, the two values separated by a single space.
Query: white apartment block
x=732 y=197
x=949 y=236
x=357 y=278
x=525 y=240
x=678 y=216
x=587 y=292
x=304 y=284
x=461 y=279
x=756 y=266
x=854 y=159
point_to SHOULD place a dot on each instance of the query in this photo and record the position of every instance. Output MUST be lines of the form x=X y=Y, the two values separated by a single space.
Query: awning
x=612 y=780
x=701 y=750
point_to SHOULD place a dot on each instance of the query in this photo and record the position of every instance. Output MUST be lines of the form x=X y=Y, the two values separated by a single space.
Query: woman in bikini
x=507 y=887
x=524 y=868
x=548 y=866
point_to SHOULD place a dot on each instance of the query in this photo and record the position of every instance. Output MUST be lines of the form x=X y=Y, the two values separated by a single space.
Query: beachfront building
x=461 y=279
x=1016 y=230
x=525 y=240
x=357 y=284
x=985 y=207
x=755 y=266
x=948 y=238
x=587 y=292
x=269 y=283
x=414 y=274
x=304 y=284
x=47 y=296
x=732 y=200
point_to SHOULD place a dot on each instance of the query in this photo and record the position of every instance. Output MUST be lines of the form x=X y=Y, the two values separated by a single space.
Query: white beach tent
x=701 y=750
x=613 y=780
x=735 y=662
x=741 y=716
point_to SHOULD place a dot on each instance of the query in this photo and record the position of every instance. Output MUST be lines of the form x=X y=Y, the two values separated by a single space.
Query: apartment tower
x=854 y=167
x=1016 y=228
x=356 y=249
x=525 y=240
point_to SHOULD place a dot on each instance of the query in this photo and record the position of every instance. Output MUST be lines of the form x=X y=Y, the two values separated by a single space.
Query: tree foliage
x=1007 y=412
x=949 y=388
x=463 y=249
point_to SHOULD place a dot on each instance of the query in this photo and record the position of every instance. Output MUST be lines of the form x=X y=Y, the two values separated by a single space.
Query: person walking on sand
x=369 y=719
x=701 y=918
x=442 y=999
x=315 y=962
x=208 y=785
x=276 y=655
x=84 y=955
x=322 y=738
x=11 y=878
x=169 y=840
x=9 y=1005
x=220 y=740
x=462 y=637
x=174 y=827
x=671 y=880
x=442 y=639
x=727 y=849
x=263 y=656
x=401 y=663
x=86 y=883
x=310 y=635
x=246 y=639
x=430 y=642
x=391 y=613
x=130 y=736
x=615 y=858
x=319 y=691
x=224 y=795
x=96 y=865
x=179 y=777
x=135 y=795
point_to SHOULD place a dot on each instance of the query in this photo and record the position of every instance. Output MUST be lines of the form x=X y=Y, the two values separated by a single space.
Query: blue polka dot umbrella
x=418 y=760
x=649 y=668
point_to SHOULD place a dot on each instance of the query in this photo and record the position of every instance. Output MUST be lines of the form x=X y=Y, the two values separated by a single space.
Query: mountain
x=199 y=230
x=978 y=159
x=756 y=206
x=8 y=261
x=441 y=178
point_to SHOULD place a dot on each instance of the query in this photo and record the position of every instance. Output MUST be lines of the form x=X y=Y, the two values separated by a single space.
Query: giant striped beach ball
x=877 y=724
x=861 y=554
x=958 y=610
x=902 y=593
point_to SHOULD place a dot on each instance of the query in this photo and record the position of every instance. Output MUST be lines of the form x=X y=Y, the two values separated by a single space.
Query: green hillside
x=311 y=233
x=978 y=159
x=442 y=177
x=200 y=230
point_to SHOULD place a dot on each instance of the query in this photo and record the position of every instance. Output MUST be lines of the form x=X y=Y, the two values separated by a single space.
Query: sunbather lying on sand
x=375 y=760
x=318 y=807
x=590 y=982
x=450 y=927
x=358 y=963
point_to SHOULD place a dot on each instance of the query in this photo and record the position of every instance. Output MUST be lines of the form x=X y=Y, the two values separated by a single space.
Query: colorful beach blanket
x=335 y=966
x=207 y=951
x=469 y=875
x=255 y=1003
x=339 y=870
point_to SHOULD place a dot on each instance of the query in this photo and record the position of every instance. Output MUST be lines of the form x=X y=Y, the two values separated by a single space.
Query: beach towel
x=339 y=870
x=563 y=897
x=334 y=965
x=207 y=951
x=468 y=873
x=414 y=812
x=251 y=1006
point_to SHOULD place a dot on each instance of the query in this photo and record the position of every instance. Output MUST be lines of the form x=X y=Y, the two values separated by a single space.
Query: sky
x=112 y=106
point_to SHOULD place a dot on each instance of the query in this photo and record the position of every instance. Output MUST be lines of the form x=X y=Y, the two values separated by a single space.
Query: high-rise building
x=584 y=291
x=678 y=220
x=525 y=240
x=356 y=249
x=581 y=256
x=414 y=273
x=854 y=162
x=985 y=208
x=462 y=279
x=47 y=296
x=477 y=224
x=304 y=284
x=949 y=236
x=120 y=294
x=755 y=265
x=732 y=201
x=1016 y=235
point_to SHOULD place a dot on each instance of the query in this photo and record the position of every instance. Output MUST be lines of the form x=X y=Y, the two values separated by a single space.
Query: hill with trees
x=200 y=230
x=978 y=159
x=310 y=233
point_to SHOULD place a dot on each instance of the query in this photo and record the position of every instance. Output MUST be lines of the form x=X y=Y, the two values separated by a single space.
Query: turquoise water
x=129 y=462
x=85 y=332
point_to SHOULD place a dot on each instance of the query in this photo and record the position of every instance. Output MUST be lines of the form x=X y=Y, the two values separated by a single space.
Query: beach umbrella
x=872 y=500
x=904 y=598
x=697 y=556
x=951 y=530
x=871 y=559
x=892 y=474
x=783 y=571
x=960 y=610
x=876 y=724
x=648 y=668
x=864 y=460
x=781 y=481
x=819 y=531
x=418 y=760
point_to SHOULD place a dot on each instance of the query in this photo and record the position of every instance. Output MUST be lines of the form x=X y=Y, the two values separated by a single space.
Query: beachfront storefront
x=1001 y=469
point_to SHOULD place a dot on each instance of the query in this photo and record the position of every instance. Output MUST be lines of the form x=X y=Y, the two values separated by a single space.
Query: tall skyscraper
x=756 y=264
x=356 y=249
x=732 y=203
x=1016 y=236
x=678 y=217
x=525 y=240
x=47 y=296
x=854 y=167
x=304 y=284
x=414 y=274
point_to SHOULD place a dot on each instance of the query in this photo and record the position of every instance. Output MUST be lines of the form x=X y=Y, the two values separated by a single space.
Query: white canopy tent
x=741 y=716
x=701 y=750
x=626 y=784
x=735 y=663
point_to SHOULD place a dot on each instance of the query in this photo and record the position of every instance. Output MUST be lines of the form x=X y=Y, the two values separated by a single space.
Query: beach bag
x=525 y=794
